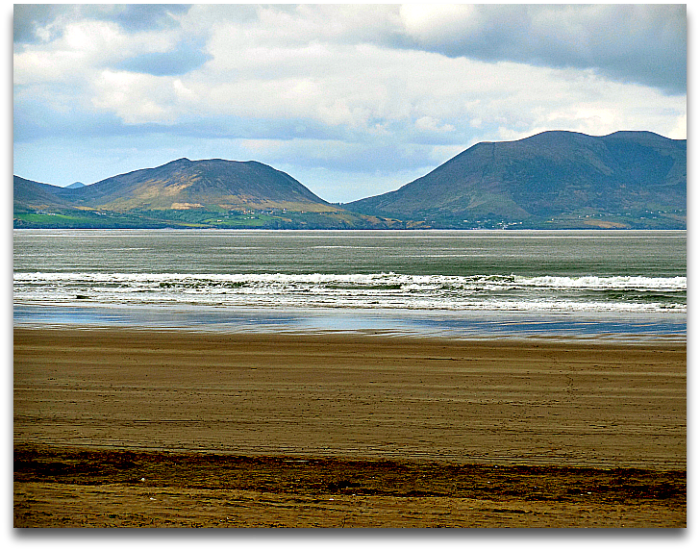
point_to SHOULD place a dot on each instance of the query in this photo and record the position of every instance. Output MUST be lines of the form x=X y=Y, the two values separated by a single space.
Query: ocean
x=458 y=284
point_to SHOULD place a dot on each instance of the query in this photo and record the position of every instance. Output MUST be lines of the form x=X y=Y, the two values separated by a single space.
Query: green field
x=198 y=218
x=204 y=218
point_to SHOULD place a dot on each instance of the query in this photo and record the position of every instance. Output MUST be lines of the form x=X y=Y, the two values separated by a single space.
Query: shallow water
x=385 y=323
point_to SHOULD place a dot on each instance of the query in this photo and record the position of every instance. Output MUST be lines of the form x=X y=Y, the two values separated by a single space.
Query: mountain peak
x=550 y=178
x=213 y=184
x=184 y=161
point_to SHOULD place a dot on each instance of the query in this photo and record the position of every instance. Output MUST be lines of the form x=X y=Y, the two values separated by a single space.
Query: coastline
x=648 y=328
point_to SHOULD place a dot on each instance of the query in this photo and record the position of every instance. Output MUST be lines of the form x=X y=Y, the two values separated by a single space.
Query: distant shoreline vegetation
x=202 y=219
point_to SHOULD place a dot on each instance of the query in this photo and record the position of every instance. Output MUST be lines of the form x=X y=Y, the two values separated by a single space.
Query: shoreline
x=460 y=326
x=368 y=336
x=202 y=335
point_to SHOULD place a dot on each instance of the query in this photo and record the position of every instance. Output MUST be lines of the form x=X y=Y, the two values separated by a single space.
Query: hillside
x=550 y=180
x=186 y=184
x=34 y=195
x=183 y=193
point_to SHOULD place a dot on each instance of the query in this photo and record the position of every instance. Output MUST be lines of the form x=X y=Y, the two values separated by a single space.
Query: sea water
x=440 y=283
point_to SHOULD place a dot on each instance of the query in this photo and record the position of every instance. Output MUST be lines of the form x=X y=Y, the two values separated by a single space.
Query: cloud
x=185 y=56
x=342 y=92
x=32 y=22
x=431 y=124
x=83 y=48
x=644 y=44
x=41 y=23
x=140 y=17
x=680 y=130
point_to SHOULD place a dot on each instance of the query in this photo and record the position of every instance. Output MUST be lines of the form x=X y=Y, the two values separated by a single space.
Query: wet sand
x=583 y=406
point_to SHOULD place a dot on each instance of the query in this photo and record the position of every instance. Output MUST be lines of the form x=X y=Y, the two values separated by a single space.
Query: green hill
x=553 y=179
x=184 y=193
x=550 y=180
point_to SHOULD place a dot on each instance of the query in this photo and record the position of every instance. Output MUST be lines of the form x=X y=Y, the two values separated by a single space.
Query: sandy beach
x=601 y=426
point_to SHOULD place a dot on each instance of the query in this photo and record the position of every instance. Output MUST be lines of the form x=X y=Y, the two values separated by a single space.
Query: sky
x=351 y=100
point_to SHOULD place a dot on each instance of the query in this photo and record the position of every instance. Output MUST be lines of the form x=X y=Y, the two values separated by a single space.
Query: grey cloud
x=131 y=17
x=28 y=17
x=643 y=44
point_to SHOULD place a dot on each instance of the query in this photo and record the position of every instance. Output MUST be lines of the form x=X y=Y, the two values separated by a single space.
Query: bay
x=436 y=282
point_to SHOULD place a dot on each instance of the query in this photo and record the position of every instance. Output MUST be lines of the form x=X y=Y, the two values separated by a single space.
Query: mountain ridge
x=553 y=179
x=213 y=182
x=184 y=194
x=550 y=175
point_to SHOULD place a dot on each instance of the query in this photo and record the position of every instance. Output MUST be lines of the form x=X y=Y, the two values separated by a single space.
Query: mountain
x=553 y=179
x=76 y=185
x=185 y=184
x=183 y=193
x=34 y=195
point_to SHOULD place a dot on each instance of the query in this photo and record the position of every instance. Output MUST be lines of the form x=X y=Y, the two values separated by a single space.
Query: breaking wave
x=379 y=290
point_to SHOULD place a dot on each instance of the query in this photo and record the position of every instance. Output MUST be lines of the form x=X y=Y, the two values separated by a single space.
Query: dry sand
x=410 y=409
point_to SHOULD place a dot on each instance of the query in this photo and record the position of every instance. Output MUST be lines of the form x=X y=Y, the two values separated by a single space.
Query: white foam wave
x=383 y=290
x=368 y=280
